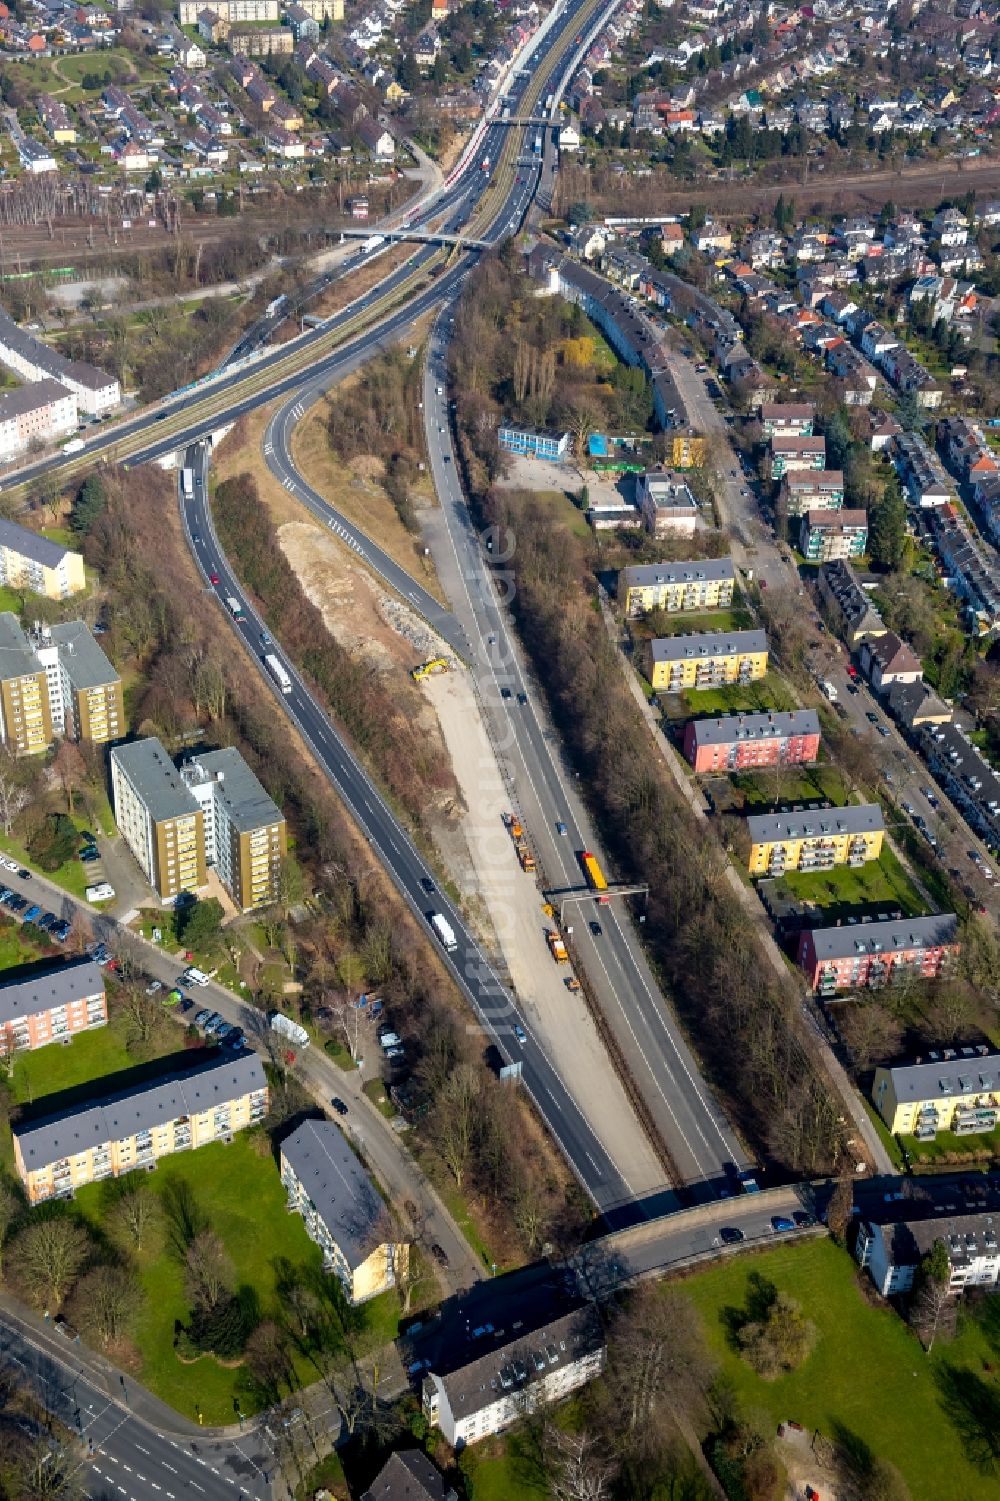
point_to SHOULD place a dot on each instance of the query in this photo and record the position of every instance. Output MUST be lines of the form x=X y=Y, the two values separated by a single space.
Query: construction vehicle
x=556 y=947
x=571 y=982
x=525 y=856
x=428 y=669
x=548 y=909
x=514 y=828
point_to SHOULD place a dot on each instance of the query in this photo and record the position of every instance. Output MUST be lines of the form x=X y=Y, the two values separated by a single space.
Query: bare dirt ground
x=557 y=1017
x=356 y=492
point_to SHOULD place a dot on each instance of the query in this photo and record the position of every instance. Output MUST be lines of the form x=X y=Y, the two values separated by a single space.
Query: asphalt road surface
x=503 y=1028
x=121 y=1453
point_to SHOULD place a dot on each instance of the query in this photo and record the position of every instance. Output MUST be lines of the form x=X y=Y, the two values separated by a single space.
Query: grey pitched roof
x=965 y=1237
x=50 y=985
x=708 y=644
x=816 y=823
x=85 y=663
x=341 y=1191
x=510 y=1367
x=884 y=937
x=156 y=779
x=971 y=1071
x=702 y=569
x=38 y=393
x=732 y=728
x=29 y=544
x=220 y=1079
x=408 y=1476
x=12 y=336
x=246 y=802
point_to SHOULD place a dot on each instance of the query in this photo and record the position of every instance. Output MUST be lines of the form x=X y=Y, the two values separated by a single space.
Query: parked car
x=154 y=987
x=338 y=1105
x=439 y=1255
x=201 y=1017
x=33 y=912
x=731 y=1236
x=803 y=1219
x=781 y=1224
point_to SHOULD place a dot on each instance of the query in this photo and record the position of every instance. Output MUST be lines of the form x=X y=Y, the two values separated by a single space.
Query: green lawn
x=768 y=693
x=89 y=1057
x=704 y=620
x=376 y=1092
x=946 y=1146
x=867 y=1373
x=882 y=884
x=499 y=1471
x=239 y=1195
x=72 y=876
x=793 y=784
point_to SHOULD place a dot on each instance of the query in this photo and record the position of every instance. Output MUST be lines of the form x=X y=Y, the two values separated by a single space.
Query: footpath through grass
x=867 y=1375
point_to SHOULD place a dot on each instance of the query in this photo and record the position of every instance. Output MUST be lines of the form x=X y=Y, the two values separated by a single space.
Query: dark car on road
x=438 y=1253
x=338 y=1105
x=781 y=1224
x=730 y=1236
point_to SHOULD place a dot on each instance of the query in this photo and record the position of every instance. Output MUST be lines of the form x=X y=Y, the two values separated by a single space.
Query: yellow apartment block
x=30 y=561
x=815 y=839
x=709 y=660
x=954 y=1090
x=706 y=584
x=343 y=1211
x=117 y=1133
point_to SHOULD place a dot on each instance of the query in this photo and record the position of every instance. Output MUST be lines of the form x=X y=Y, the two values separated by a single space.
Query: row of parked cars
x=56 y=927
x=216 y=1027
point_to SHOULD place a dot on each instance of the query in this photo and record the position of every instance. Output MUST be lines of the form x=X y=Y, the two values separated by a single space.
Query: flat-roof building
x=812 y=490
x=25 y=715
x=827 y=535
x=665 y=502
x=159 y=818
x=86 y=701
x=245 y=831
x=343 y=1211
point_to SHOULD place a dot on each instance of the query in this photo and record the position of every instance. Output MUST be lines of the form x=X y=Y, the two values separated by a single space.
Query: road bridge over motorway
x=425 y=236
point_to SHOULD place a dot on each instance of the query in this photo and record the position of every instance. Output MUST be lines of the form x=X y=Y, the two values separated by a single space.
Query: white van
x=102 y=892
x=193 y=976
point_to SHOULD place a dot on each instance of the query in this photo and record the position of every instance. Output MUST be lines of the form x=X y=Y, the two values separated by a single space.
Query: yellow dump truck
x=556 y=947
x=514 y=828
x=525 y=856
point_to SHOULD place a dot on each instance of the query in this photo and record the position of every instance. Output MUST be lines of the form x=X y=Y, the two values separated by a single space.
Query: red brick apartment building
x=868 y=955
x=52 y=1001
x=740 y=742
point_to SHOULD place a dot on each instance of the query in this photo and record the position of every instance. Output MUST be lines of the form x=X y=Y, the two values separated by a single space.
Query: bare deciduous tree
x=48 y=1256
x=577 y=1468
x=136 y=1211
x=104 y=1301
x=456 y=1119
x=209 y=1270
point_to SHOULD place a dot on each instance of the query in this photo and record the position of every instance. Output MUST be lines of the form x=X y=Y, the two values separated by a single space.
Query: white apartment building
x=40 y=413
x=96 y=392
x=475 y=1398
x=892 y=1253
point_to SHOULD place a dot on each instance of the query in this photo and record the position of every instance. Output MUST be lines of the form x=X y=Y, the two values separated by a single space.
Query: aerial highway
x=606 y=1181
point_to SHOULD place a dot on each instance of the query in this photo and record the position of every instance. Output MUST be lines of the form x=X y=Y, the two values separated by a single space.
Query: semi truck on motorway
x=235 y=608
x=594 y=874
x=444 y=931
x=279 y=674
x=187 y=484
x=556 y=947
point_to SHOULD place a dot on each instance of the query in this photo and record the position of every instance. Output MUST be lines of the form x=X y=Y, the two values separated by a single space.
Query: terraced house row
x=119 y=1132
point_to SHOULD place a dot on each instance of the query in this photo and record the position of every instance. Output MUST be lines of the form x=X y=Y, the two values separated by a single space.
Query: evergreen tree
x=89 y=504
x=887 y=527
